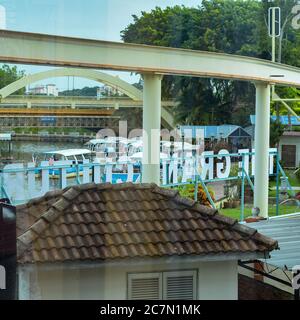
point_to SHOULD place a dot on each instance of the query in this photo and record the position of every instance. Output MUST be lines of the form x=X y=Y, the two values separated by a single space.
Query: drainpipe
x=8 y=241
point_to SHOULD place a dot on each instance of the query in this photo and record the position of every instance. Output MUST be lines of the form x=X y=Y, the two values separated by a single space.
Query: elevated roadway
x=154 y=62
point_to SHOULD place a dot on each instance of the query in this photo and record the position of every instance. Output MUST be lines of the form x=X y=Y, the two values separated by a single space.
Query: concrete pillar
x=151 y=128
x=262 y=142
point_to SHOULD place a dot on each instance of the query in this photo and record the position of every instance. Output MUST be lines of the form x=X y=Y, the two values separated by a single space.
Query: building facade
x=48 y=90
x=289 y=149
x=130 y=241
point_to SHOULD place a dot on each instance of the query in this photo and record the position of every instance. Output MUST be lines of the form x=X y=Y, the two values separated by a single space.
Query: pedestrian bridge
x=154 y=62
x=135 y=95
x=30 y=101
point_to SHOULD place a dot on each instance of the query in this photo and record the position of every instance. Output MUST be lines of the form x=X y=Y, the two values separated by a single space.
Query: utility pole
x=274 y=28
x=274 y=32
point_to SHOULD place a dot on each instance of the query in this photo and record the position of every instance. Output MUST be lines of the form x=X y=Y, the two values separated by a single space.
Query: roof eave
x=122 y=262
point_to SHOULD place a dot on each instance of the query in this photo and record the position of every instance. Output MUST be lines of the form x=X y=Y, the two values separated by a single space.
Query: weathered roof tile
x=105 y=221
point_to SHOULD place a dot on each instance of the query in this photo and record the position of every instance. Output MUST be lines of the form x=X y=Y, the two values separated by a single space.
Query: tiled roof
x=105 y=221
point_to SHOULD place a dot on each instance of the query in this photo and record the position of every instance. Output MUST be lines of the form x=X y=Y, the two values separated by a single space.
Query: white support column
x=262 y=142
x=151 y=127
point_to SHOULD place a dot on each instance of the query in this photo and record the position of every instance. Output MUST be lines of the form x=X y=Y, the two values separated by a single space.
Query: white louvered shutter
x=145 y=286
x=180 y=285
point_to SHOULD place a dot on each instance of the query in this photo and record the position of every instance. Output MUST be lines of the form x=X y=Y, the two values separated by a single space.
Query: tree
x=9 y=75
x=287 y=33
x=276 y=131
x=85 y=92
x=215 y=26
x=229 y=26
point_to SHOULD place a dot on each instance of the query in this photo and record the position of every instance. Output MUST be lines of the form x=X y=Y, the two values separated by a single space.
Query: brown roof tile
x=99 y=222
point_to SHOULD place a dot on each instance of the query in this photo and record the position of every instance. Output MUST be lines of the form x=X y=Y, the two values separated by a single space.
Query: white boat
x=132 y=149
x=139 y=156
x=77 y=156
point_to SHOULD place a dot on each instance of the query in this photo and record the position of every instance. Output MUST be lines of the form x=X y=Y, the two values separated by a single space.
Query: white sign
x=209 y=169
x=274 y=21
x=296 y=18
x=20 y=185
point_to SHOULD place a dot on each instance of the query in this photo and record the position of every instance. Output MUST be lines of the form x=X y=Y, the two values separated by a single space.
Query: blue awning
x=283 y=119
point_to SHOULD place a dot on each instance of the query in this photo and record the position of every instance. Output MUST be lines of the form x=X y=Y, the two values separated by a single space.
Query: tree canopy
x=228 y=26
x=10 y=74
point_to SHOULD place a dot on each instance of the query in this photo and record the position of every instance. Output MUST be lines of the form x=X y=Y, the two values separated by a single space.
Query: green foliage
x=230 y=26
x=232 y=188
x=9 y=75
x=287 y=93
x=235 y=213
x=276 y=131
x=84 y=92
x=188 y=191
x=297 y=174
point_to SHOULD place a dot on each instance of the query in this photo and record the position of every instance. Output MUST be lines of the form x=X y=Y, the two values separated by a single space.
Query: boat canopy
x=69 y=152
x=139 y=155
x=107 y=141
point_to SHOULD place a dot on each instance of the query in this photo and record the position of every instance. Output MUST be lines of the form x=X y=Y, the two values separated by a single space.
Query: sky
x=93 y=19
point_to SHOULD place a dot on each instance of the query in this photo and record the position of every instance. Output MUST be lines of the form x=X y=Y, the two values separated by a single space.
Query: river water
x=23 y=150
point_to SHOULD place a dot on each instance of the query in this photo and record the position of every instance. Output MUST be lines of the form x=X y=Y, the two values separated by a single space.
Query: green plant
x=233 y=187
x=297 y=172
x=188 y=191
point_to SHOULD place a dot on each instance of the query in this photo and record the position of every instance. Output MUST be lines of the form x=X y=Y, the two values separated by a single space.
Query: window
x=288 y=155
x=172 y=285
x=145 y=286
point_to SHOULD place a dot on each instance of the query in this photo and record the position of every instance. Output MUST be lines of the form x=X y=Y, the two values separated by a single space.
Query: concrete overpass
x=75 y=101
x=73 y=105
x=154 y=62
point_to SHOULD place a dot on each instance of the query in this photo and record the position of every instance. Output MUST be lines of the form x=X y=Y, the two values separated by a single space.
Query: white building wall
x=216 y=280
x=52 y=90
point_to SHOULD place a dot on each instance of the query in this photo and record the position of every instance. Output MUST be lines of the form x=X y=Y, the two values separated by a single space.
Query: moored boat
x=76 y=158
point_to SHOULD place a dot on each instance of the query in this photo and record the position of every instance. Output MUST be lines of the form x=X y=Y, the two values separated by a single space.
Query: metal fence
x=21 y=182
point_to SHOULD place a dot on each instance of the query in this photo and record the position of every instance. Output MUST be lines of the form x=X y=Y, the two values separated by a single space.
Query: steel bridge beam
x=56 y=112
x=60 y=122
x=121 y=102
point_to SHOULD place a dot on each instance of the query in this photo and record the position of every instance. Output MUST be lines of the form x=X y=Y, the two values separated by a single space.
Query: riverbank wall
x=53 y=138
